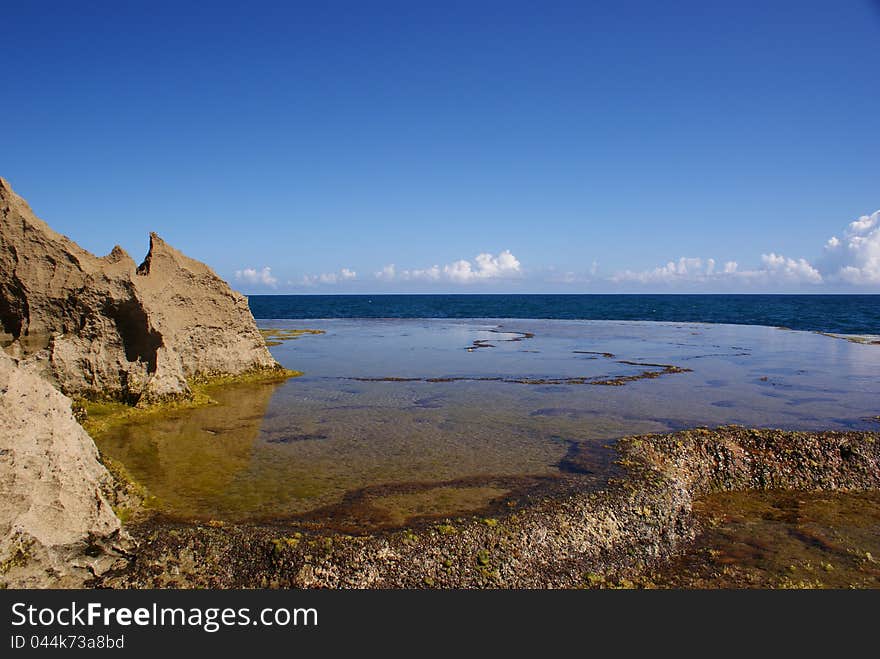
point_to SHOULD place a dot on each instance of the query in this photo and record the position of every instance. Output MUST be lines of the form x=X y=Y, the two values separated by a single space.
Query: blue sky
x=612 y=146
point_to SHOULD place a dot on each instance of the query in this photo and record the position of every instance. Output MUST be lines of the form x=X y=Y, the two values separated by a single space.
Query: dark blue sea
x=846 y=314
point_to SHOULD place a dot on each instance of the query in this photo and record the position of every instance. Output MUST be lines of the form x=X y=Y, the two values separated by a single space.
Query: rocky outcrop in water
x=57 y=528
x=106 y=327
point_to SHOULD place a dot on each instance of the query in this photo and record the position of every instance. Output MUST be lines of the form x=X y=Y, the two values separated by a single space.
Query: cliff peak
x=106 y=327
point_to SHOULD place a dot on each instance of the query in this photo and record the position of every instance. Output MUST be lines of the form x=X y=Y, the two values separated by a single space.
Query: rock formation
x=105 y=327
x=57 y=528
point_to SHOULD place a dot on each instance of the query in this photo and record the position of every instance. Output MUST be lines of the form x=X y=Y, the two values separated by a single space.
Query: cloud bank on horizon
x=344 y=274
x=262 y=277
x=851 y=260
x=484 y=267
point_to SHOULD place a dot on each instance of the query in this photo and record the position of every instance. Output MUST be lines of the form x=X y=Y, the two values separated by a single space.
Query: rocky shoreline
x=126 y=340
x=562 y=538
x=75 y=325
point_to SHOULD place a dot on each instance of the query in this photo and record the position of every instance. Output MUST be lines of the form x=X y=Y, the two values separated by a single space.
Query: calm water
x=848 y=314
x=396 y=419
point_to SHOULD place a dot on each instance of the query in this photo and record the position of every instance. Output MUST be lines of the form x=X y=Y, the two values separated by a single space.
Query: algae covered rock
x=104 y=326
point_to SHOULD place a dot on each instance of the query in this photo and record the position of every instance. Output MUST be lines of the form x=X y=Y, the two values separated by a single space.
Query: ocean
x=845 y=314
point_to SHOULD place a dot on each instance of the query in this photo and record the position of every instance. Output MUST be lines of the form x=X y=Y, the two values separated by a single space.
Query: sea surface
x=397 y=420
x=846 y=314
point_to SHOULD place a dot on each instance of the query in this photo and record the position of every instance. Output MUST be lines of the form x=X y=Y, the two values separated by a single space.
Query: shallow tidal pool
x=785 y=539
x=398 y=420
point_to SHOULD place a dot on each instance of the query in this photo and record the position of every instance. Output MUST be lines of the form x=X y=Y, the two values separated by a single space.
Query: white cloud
x=489 y=267
x=685 y=269
x=345 y=274
x=779 y=267
x=484 y=267
x=256 y=277
x=387 y=273
x=428 y=274
x=851 y=259
x=460 y=271
x=856 y=258
x=776 y=268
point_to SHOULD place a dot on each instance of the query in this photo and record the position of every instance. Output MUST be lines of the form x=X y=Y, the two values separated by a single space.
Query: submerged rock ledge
x=562 y=539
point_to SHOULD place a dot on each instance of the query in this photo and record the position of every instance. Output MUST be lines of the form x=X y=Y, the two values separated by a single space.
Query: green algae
x=280 y=545
x=100 y=416
x=129 y=496
x=862 y=339
x=617 y=381
x=19 y=557
x=435 y=501
x=210 y=446
x=779 y=539
x=275 y=337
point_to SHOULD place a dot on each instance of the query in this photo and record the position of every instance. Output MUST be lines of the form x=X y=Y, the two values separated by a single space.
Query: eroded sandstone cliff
x=106 y=327
x=57 y=527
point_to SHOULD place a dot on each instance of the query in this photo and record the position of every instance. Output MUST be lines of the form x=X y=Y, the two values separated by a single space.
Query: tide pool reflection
x=407 y=418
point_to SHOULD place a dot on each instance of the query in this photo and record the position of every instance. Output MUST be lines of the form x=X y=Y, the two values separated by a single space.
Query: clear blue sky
x=595 y=141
